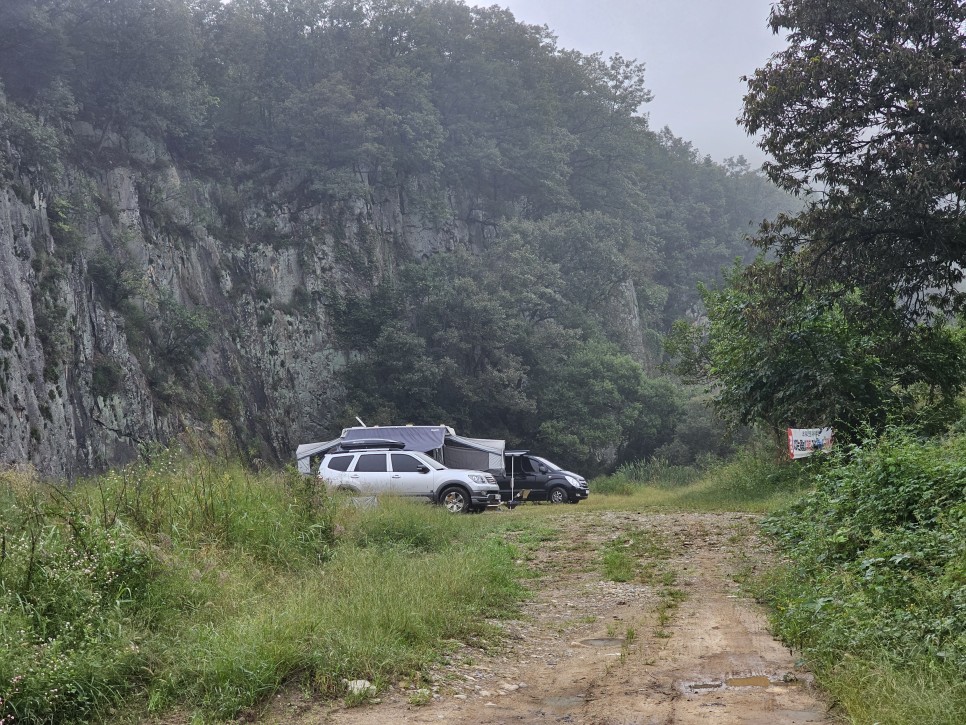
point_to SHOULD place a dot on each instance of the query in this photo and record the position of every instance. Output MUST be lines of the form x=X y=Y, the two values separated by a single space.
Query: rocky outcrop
x=138 y=301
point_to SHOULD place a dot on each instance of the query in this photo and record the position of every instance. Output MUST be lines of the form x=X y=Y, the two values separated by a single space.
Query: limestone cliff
x=138 y=301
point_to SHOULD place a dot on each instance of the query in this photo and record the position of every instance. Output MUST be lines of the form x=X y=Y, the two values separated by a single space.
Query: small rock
x=459 y=697
x=486 y=693
x=359 y=687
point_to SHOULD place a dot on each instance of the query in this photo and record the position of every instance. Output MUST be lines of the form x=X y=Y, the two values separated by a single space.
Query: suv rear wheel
x=455 y=499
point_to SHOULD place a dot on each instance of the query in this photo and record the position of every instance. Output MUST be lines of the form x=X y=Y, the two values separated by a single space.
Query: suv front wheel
x=455 y=499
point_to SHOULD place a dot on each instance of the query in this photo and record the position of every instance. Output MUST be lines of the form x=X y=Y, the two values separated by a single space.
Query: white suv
x=375 y=471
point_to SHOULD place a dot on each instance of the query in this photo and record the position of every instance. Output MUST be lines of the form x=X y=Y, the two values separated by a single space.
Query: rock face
x=109 y=281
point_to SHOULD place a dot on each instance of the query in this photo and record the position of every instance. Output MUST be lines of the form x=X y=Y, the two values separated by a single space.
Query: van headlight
x=571 y=480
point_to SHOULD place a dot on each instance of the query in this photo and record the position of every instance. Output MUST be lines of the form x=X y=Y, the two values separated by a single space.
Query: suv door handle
x=396 y=475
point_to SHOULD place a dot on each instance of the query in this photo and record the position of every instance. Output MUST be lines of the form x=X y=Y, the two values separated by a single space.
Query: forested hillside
x=287 y=214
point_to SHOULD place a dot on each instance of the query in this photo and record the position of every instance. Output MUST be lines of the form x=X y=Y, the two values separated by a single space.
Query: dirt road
x=676 y=643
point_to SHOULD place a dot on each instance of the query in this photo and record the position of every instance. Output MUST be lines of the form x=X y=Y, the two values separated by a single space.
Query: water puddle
x=757 y=681
x=705 y=686
x=602 y=642
x=728 y=682
x=563 y=703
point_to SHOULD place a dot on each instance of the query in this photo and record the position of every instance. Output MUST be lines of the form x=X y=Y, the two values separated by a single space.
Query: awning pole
x=511 y=476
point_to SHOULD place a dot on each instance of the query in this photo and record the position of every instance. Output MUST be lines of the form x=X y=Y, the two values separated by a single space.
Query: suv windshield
x=435 y=465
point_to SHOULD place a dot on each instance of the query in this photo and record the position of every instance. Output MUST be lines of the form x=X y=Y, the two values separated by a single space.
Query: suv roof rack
x=363 y=443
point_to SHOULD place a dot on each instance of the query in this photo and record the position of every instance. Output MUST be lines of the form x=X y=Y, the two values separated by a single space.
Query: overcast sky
x=695 y=52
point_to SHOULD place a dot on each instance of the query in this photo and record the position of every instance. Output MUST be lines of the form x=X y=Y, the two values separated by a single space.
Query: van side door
x=536 y=476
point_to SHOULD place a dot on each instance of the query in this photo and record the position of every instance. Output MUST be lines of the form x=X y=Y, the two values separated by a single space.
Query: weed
x=632 y=556
x=619 y=566
x=420 y=697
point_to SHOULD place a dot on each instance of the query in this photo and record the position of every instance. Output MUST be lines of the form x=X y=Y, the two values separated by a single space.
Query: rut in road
x=677 y=644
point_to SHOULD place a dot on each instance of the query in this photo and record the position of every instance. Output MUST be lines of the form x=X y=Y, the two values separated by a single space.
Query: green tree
x=589 y=405
x=863 y=114
x=35 y=50
x=777 y=357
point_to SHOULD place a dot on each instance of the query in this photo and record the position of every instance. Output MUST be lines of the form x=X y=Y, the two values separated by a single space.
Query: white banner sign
x=803 y=442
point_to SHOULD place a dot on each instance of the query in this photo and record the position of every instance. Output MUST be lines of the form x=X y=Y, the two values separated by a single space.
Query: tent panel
x=492 y=448
x=474 y=460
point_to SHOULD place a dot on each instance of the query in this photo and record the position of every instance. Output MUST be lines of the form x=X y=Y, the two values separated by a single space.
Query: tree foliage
x=864 y=113
x=490 y=345
x=589 y=230
x=780 y=358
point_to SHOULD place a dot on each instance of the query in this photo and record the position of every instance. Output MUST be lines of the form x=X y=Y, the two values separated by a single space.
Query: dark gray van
x=536 y=479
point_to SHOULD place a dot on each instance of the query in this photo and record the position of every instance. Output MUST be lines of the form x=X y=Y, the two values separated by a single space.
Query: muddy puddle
x=602 y=642
x=726 y=683
x=562 y=703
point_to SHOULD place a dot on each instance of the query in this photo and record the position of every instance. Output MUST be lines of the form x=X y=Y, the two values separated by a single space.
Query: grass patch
x=406 y=525
x=634 y=556
x=751 y=482
x=619 y=566
x=201 y=586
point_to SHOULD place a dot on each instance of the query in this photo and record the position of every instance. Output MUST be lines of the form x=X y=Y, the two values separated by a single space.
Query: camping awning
x=482 y=454
x=490 y=445
x=305 y=451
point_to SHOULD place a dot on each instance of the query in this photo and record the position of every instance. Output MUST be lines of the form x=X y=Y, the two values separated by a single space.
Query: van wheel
x=455 y=499
x=348 y=490
x=558 y=495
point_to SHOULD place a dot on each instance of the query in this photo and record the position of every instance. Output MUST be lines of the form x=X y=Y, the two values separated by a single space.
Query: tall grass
x=752 y=481
x=201 y=585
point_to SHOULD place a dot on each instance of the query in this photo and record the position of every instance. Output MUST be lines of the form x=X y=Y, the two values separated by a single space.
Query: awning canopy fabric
x=305 y=451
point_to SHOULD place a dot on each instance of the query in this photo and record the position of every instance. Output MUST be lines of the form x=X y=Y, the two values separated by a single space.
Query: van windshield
x=550 y=466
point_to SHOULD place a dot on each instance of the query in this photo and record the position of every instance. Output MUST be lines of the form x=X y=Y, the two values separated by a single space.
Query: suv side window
x=339 y=463
x=371 y=463
x=402 y=463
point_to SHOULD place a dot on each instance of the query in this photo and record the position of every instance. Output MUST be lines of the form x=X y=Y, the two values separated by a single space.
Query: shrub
x=874 y=583
x=68 y=585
